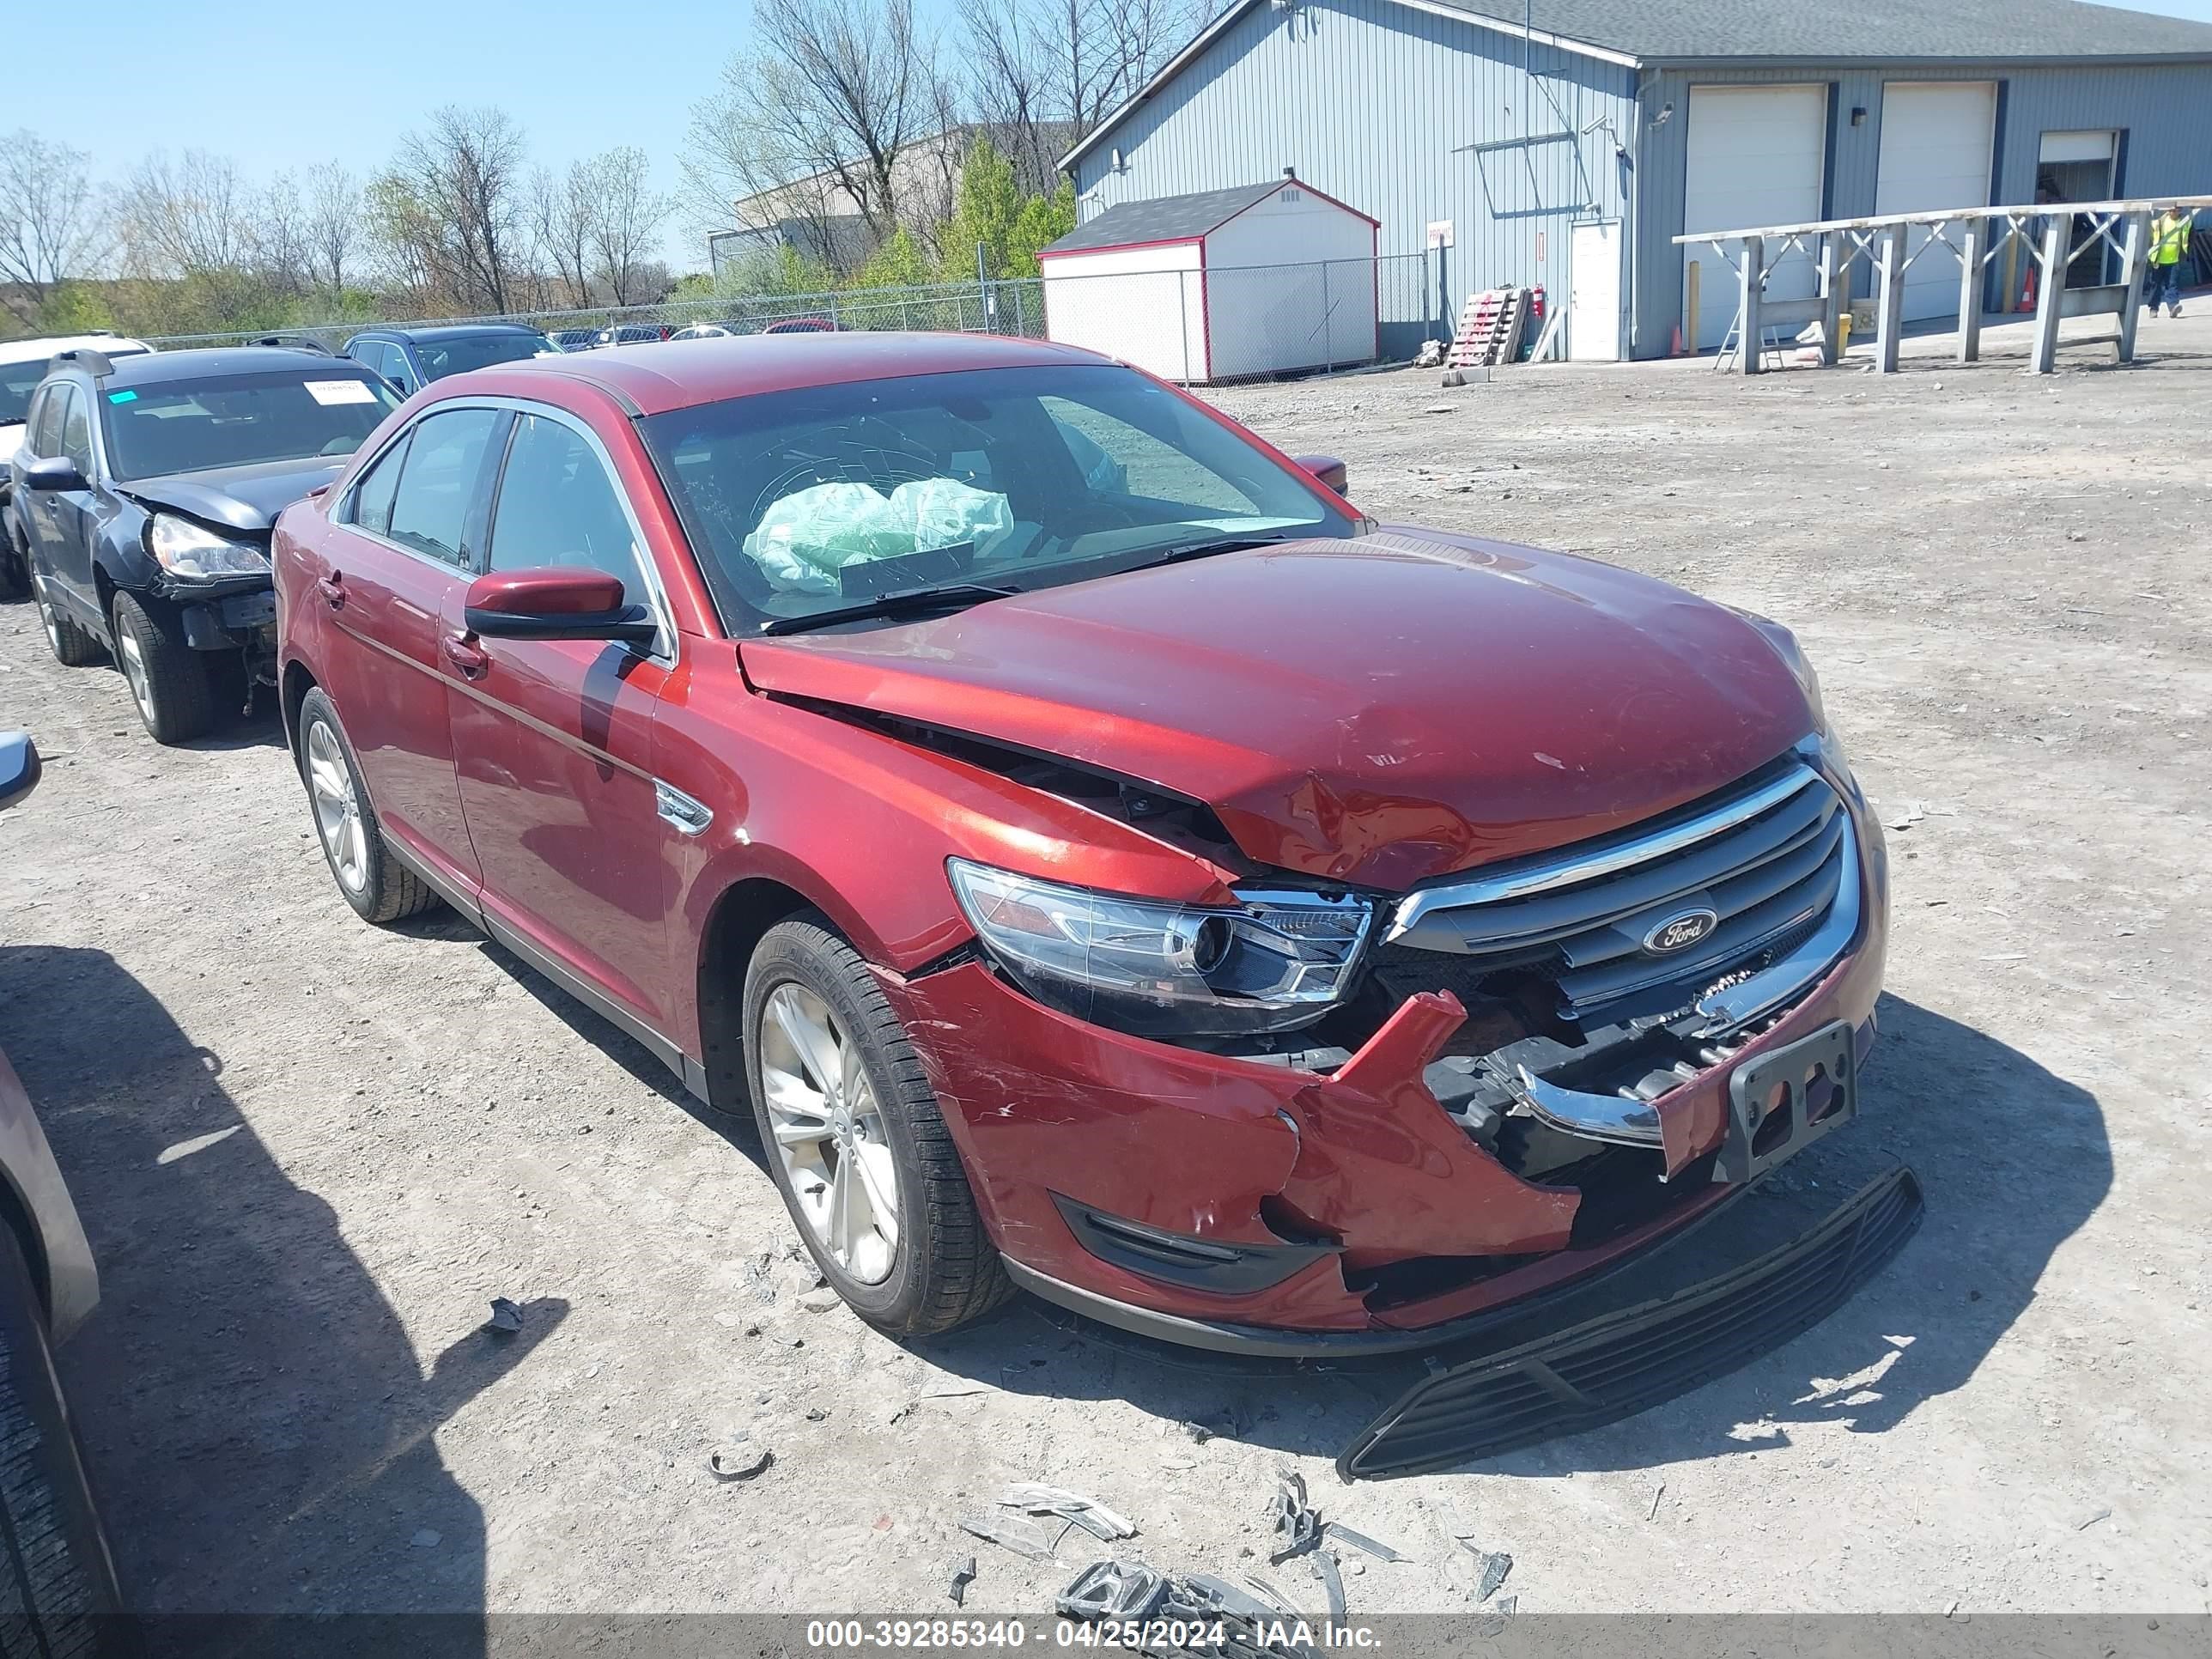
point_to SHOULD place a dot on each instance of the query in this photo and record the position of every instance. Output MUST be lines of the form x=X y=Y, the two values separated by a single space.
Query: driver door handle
x=464 y=656
x=332 y=588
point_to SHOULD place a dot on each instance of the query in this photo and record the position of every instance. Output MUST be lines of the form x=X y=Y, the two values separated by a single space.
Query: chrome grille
x=1764 y=859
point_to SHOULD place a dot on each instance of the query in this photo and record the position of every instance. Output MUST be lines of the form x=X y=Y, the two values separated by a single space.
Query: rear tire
x=72 y=647
x=14 y=561
x=369 y=878
x=57 y=1580
x=881 y=1117
x=169 y=679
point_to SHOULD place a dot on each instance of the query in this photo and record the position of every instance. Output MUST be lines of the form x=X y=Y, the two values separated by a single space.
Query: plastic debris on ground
x=1010 y=1533
x=804 y=539
x=727 y=1463
x=963 y=1574
x=1117 y=1592
x=1032 y=1498
x=506 y=1318
x=1496 y=1564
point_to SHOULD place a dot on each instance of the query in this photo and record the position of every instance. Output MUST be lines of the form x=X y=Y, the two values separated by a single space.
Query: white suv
x=23 y=366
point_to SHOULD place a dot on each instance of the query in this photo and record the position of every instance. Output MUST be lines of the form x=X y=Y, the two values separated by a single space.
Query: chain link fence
x=1198 y=326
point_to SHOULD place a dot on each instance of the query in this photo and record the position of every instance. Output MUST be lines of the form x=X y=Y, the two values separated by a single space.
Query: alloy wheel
x=46 y=612
x=337 y=808
x=828 y=1129
x=134 y=670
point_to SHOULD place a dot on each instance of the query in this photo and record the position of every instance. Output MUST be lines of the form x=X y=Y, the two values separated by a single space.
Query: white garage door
x=1935 y=139
x=1756 y=157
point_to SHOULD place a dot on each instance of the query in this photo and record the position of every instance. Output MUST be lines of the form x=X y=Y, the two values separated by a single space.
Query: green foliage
x=75 y=308
x=899 y=262
x=1045 y=220
x=987 y=215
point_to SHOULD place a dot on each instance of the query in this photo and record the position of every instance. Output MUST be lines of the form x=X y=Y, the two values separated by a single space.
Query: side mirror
x=53 y=472
x=559 y=602
x=19 y=766
x=1329 y=469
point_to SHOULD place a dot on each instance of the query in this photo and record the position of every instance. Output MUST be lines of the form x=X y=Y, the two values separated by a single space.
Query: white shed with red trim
x=1263 y=279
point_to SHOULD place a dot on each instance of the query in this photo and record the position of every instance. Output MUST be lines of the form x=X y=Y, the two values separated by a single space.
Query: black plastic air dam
x=1619 y=1364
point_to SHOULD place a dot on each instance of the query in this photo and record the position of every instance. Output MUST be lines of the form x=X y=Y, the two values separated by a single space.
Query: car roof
x=683 y=374
x=209 y=362
x=446 y=331
x=32 y=351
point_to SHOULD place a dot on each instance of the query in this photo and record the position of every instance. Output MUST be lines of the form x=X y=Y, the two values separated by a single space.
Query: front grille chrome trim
x=1730 y=1010
x=1575 y=867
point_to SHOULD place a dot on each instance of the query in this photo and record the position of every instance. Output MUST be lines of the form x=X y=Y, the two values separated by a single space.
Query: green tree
x=899 y=262
x=74 y=308
x=1045 y=220
x=986 y=215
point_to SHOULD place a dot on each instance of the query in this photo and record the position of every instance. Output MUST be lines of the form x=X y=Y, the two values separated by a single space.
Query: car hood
x=1376 y=712
x=237 y=497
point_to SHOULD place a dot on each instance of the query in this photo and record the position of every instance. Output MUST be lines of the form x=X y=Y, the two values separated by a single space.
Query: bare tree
x=561 y=222
x=1036 y=65
x=276 y=229
x=336 y=228
x=452 y=204
x=836 y=92
x=627 y=214
x=186 y=219
x=50 y=225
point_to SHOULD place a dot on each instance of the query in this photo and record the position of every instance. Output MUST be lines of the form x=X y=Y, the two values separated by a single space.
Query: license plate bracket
x=1783 y=1102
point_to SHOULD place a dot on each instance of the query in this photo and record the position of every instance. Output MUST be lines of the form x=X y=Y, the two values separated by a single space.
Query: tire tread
x=965 y=1279
x=184 y=698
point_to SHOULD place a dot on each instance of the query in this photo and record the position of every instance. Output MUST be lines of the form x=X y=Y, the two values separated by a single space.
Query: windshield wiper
x=1207 y=550
x=899 y=602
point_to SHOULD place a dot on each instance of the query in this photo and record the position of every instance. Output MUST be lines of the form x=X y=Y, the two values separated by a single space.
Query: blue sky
x=288 y=85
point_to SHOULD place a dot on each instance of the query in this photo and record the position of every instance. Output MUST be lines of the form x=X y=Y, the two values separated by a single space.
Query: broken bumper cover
x=1220 y=1202
x=1618 y=1364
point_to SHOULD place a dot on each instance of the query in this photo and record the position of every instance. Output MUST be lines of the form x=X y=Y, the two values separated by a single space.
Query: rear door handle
x=333 y=589
x=464 y=656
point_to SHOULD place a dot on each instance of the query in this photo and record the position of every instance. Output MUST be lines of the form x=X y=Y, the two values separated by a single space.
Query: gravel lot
x=308 y=1153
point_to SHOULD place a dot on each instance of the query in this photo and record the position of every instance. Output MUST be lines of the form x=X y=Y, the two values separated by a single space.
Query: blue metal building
x=1500 y=142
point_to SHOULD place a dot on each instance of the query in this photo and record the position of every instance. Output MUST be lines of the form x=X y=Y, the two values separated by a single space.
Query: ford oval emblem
x=1681 y=930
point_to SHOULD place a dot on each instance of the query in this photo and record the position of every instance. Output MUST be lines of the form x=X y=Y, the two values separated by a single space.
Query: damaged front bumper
x=1221 y=1202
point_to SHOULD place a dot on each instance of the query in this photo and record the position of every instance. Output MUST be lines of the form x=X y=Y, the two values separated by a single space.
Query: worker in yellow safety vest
x=2169 y=241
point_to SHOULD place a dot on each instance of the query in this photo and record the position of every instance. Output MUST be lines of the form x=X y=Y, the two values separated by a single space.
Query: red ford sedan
x=1102 y=860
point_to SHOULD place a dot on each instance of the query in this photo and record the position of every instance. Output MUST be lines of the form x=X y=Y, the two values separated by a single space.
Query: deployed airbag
x=807 y=538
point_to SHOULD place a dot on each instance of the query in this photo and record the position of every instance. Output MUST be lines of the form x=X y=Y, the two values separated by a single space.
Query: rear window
x=241 y=420
x=458 y=355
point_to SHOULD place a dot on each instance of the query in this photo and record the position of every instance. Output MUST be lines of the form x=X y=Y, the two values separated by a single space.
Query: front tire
x=369 y=878
x=72 y=647
x=855 y=1141
x=169 y=679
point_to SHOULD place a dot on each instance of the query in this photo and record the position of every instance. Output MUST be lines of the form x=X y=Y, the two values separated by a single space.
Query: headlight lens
x=1155 y=968
x=197 y=554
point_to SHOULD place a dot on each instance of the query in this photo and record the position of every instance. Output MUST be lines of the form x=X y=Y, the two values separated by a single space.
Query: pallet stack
x=1489 y=328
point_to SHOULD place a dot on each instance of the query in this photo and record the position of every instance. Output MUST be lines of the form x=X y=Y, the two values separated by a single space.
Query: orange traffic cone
x=2027 y=298
x=1675 y=349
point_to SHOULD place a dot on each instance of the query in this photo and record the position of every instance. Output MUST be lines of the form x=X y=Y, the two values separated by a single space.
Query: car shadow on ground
x=2013 y=1160
x=255 y=1419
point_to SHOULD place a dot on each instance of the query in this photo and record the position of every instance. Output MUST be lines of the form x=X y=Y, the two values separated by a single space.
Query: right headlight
x=1157 y=967
x=198 y=553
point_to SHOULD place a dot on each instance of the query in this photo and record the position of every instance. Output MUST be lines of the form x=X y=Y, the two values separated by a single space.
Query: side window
x=76 y=429
x=439 y=481
x=557 y=506
x=372 y=496
x=47 y=443
x=1116 y=458
x=37 y=430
